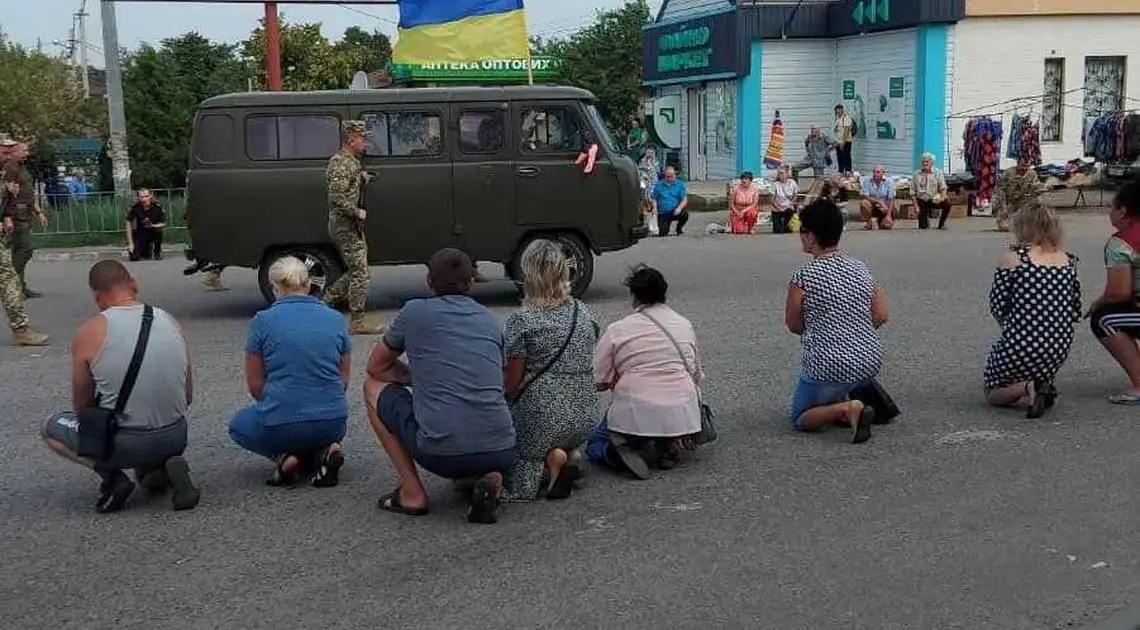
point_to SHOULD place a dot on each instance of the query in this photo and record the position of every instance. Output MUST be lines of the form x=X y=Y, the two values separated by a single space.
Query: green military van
x=482 y=169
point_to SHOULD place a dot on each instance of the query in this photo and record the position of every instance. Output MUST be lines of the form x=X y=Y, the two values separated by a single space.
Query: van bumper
x=638 y=233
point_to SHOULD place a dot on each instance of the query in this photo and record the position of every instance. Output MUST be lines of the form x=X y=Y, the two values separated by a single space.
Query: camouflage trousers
x=11 y=290
x=20 y=241
x=353 y=285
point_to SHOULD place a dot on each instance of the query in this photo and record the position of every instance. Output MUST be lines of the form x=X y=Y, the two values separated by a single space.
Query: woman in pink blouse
x=743 y=206
x=650 y=362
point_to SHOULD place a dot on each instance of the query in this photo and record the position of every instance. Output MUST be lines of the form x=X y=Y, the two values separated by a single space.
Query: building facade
x=721 y=72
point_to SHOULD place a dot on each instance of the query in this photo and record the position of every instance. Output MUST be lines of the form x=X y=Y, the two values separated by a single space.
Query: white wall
x=797 y=78
x=997 y=59
x=880 y=55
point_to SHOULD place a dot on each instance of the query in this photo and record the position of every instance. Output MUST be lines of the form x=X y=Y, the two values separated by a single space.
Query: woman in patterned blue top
x=836 y=308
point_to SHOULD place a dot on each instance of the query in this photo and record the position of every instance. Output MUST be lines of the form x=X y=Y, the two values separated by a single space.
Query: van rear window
x=403 y=134
x=293 y=137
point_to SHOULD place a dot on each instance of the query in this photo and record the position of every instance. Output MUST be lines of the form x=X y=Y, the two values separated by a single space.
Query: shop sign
x=697 y=47
x=666 y=119
x=490 y=70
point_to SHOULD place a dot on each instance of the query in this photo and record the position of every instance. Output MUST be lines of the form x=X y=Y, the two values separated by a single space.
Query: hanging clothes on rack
x=982 y=152
x=1113 y=137
x=1024 y=140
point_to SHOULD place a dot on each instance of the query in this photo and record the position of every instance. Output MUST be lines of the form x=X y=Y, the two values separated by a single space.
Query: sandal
x=329 y=462
x=483 y=504
x=391 y=503
x=1125 y=398
x=1040 y=401
x=282 y=477
x=563 y=484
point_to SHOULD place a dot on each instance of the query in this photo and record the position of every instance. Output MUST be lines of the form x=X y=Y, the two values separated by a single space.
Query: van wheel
x=324 y=268
x=578 y=257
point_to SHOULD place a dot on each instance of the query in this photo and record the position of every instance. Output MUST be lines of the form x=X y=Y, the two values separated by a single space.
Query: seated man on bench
x=878 y=202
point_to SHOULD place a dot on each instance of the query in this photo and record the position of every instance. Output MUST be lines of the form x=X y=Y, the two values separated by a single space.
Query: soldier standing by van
x=345 y=176
x=11 y=293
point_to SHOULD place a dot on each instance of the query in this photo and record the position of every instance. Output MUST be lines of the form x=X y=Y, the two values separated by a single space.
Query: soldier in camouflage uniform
x=28 y=210
x=345 y=177
x=11 y=291
x=1017 y=188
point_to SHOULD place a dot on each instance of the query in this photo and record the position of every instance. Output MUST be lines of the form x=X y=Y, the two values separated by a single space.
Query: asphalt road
x=957 y=516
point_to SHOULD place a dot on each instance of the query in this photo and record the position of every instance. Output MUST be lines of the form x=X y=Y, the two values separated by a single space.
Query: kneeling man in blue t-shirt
x=456 y=424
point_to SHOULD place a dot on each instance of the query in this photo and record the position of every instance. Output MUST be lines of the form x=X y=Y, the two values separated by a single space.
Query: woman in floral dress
x=550 y=349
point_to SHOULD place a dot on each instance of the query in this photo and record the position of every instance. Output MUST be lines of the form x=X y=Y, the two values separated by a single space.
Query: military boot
x=213 y=281
x=358 y=324
x=25 y=336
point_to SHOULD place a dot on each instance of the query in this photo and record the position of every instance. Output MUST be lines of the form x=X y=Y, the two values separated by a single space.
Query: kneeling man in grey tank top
x=151 y=433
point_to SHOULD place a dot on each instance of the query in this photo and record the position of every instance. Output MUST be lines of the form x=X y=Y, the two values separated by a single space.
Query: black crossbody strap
x=136 y=360
x=555 y=358
x=677 y=346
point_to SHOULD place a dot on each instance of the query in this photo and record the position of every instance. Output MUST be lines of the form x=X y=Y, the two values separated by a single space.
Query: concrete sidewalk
x=80 y=254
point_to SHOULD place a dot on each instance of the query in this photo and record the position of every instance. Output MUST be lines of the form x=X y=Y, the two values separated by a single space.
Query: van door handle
x=528 y=171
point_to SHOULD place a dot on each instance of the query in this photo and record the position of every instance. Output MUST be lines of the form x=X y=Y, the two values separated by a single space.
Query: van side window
x=551 y=130
x=214 y=144
x=403 y=134
x=481 y=132
x=299 y=137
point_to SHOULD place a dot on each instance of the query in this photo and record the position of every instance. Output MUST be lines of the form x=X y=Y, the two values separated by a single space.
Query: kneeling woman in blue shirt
x=297 y=366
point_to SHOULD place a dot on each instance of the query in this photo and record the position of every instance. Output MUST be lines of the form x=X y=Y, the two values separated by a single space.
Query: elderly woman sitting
x=550 y=348
x=651 y=363
x=743 y=205
x=296 y=368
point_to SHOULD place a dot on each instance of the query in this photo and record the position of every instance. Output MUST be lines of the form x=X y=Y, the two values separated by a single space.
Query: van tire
x=321 y=260
x=576 y=251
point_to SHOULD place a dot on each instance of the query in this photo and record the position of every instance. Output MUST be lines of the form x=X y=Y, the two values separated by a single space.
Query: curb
x=50 y=255
x=1127 y=618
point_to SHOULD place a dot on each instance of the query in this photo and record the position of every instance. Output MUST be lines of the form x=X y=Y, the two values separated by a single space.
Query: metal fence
x=95 y=213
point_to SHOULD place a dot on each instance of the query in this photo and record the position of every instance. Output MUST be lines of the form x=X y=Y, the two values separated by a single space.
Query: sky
x=50 y=21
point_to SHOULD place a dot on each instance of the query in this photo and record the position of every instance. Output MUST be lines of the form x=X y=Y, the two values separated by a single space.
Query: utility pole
x=81 y=27
x=120 y=156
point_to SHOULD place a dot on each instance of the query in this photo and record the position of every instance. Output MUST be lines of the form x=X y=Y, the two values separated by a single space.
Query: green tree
x=605 y=58
x=162 y=88
x=41 y=98
x=309 y=61
x=371 y=51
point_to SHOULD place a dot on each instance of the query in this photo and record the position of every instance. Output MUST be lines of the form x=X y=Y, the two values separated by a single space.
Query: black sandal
x=391 y=503
x=328 y=466
x=484 y=503
x=563 y=485
x=281 y=477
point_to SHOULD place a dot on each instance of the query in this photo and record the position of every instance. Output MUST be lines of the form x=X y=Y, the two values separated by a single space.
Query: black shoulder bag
x=98 y=425
x=549 y=364
x=708 y=431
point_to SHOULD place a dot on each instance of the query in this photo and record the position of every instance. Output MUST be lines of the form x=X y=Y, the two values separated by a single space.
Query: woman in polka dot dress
x=1036 y=299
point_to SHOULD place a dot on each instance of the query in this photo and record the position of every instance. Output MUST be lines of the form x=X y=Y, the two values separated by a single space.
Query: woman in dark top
x=297 y=367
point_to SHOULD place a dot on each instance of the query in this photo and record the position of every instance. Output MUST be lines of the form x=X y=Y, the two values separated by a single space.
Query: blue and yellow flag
x=433 y=31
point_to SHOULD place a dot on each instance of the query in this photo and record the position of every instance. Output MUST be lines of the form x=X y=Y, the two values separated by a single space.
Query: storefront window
x=1104 y=85
x=1053 y=107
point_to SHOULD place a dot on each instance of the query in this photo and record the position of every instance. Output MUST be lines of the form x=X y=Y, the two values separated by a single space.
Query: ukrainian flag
x=433 y=31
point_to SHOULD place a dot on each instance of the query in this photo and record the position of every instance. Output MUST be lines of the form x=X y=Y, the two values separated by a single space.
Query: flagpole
x=529 y=66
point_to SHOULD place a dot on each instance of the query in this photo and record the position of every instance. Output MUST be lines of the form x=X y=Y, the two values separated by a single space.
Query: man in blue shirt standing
x=878 y=202
x=669 y=198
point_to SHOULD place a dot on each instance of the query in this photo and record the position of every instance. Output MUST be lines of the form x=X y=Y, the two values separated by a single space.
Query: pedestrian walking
x=28 y=210
x=345 y=176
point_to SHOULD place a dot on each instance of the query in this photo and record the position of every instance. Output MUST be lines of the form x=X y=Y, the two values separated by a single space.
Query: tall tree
x=41 y=98
x=605 y=58
x=371 y=51
x=162 y=88
x=309 y=61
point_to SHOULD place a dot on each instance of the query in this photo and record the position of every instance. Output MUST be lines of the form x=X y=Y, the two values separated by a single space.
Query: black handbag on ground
x=708 y=426
x=98 y=425
x=873 y=395
x=549 y=364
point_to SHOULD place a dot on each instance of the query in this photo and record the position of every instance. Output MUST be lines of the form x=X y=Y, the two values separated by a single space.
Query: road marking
x=682 y=507
x=962 y=437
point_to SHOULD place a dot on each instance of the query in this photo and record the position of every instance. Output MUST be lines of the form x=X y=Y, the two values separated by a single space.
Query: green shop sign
x=684 y=50
x=488 y=71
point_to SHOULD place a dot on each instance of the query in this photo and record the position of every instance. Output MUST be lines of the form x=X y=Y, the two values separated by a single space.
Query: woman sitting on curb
x=297 y=366
x=651 y=363
x=836 y=308
x=549 y=346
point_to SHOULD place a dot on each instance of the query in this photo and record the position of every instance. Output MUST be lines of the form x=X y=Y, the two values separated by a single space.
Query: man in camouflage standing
x=345 y=178
x=11 y=291
x=1018 y=188
x=27 y=210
